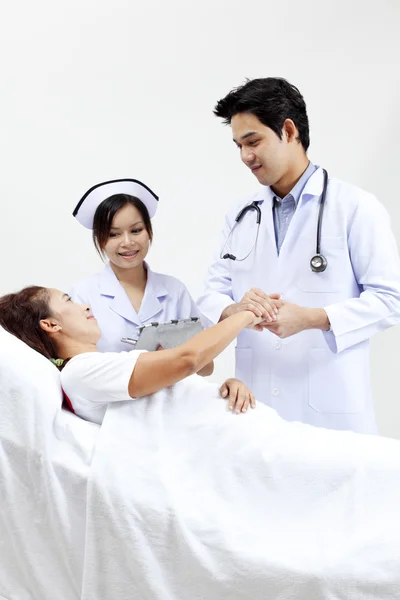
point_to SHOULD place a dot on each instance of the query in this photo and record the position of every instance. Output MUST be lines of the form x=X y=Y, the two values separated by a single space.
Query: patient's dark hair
x=20 y=315
x=107 y=210
x=272 y=100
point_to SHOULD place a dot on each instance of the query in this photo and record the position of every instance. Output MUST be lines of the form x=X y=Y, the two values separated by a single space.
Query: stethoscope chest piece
x=318 y=263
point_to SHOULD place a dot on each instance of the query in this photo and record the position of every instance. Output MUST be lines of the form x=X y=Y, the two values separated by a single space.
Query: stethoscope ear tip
x=229 y=256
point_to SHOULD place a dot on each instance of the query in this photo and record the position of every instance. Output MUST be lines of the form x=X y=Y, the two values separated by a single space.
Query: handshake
x=278 y=316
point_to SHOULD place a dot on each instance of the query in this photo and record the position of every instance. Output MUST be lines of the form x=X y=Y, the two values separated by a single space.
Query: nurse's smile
x=130 y=254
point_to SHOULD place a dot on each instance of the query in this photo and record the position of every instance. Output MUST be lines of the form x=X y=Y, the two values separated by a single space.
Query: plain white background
x=94 y=90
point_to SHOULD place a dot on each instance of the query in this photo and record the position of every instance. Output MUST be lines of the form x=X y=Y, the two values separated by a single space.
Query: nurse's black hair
x=107 y=210
x=272 y=100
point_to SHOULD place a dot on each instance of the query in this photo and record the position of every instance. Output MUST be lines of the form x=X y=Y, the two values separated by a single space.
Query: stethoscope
x=318 y=262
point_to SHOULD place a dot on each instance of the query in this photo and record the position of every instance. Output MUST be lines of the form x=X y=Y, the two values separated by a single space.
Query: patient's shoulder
x=89 y=363
x=99 y=377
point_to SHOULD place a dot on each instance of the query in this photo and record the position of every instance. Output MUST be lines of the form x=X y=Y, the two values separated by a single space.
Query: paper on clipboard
x=167 y=335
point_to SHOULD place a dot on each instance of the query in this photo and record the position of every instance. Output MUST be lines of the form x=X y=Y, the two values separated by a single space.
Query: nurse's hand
x=259 y=303
x=238 y=394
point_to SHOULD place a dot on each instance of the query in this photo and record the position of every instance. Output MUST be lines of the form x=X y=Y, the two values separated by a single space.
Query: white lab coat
x=165 y=298
x=321 y=378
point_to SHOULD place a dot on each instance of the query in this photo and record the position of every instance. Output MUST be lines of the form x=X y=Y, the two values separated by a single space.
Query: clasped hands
x=278 y=316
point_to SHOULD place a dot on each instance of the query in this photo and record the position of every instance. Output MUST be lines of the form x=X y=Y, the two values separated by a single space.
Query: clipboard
x=168 y=334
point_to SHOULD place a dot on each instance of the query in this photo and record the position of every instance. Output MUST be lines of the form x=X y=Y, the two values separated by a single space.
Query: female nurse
x=126 y=293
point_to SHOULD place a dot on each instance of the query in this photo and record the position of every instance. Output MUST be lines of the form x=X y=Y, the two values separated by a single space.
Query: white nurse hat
x=87 y=205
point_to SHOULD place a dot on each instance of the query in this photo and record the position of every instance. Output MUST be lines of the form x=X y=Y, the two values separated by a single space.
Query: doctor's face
x=128 y=242
x=261 y=149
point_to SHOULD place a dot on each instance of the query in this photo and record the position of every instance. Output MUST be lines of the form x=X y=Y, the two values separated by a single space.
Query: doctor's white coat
x=320 y=378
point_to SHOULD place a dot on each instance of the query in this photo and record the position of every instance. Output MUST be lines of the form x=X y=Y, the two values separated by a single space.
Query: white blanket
x=182 y=500
x=187 y=501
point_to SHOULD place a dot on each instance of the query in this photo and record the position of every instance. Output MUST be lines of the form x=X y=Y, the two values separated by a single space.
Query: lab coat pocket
x=338 y=383
x=330 y=280
x=244 y=361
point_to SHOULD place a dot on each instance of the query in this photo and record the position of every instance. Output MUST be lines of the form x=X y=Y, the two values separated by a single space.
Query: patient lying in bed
x=185 y=500
x=67 y=333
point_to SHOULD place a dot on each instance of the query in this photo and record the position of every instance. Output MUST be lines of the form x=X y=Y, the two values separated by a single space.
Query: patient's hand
x=258 y=302
x=238 y=394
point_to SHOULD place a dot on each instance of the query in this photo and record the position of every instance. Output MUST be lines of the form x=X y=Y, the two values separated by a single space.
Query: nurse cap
x=87 y=205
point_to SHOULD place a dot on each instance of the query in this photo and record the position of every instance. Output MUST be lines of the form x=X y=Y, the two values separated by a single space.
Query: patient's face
x=76 y=320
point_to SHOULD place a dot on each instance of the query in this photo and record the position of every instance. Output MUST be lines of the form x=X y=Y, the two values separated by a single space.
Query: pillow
x=45 y=457
x=30 y=392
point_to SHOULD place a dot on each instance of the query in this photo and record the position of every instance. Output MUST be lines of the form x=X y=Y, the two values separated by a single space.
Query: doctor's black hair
x=272 y=100
x=107 y=210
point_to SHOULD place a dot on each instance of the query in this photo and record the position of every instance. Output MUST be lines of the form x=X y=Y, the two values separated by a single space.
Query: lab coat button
x=278 y=345
x=275 y=392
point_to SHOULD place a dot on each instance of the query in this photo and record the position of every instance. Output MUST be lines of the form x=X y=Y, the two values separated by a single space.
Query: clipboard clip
x=130 y=341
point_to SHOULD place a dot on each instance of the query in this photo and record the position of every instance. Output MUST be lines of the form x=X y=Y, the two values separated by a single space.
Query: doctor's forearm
x=317 y=318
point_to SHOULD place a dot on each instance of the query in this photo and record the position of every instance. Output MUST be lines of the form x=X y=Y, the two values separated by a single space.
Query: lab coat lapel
x=266 y=195
x=312 y=189
x=118 y=299
x=151 y=304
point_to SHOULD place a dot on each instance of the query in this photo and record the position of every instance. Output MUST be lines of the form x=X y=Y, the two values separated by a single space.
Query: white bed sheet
x=174 y=498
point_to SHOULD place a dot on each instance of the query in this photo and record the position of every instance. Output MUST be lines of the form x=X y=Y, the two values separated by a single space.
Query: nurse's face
x=128 y=243
x=261 y=150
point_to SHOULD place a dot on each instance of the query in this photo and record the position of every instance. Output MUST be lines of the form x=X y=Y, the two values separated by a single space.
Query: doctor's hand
x=238 y=394
x=259 y=303
x=293 y=318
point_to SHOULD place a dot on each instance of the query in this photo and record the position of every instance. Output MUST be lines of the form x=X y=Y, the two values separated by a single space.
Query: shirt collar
x=312 y=187
x=110 y=286
x=295 y=193
x=154 y=285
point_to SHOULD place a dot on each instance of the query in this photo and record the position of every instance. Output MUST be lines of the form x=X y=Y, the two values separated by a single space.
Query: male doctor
x=311 y=363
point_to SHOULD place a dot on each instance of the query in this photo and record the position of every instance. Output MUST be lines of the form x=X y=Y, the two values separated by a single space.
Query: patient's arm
x=207 y=370
x=156 y=370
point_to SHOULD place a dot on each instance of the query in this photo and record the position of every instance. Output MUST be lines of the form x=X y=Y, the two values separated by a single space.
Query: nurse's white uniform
x=165 y=298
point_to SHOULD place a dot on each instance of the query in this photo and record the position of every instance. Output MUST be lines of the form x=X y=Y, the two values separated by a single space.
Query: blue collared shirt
x=284 y=208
